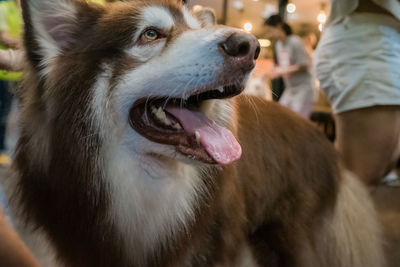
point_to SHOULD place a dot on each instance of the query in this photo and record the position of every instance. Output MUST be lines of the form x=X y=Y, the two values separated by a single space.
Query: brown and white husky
x=130 y=143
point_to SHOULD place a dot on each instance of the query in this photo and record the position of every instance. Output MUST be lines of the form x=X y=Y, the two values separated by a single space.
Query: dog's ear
x=205 y=15
x=49 y=28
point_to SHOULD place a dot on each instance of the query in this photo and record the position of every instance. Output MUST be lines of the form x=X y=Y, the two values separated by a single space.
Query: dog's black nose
x=241 y=45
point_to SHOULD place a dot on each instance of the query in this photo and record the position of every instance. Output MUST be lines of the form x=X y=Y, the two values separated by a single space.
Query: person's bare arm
x=281 y=72
x=13 y=252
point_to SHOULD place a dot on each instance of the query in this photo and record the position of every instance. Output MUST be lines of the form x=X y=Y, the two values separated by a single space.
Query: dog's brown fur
x=286 y=199
x=285 y=203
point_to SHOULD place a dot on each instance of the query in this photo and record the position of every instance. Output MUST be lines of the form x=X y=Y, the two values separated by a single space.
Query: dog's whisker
x=253 y=106
x=172 y=92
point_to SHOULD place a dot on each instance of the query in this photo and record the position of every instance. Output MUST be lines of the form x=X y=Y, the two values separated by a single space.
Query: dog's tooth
x=160 y=114
x=197 y=134
x=221 y=89
x=177 y=126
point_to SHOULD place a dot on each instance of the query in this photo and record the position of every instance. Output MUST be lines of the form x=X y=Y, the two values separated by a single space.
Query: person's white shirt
x=342 y=8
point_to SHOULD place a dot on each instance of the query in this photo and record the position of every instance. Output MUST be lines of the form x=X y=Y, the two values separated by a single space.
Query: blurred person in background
x=293 y=66
x=358 y=65
x=10 y=57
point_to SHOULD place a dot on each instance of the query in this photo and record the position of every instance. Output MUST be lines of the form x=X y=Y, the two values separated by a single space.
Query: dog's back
x=301 y=206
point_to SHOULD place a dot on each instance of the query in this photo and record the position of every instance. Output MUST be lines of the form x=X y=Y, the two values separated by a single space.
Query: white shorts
x=358 y=62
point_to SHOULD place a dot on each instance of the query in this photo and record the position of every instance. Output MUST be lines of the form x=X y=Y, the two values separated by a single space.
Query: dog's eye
x=185 y=1
x=151 y=35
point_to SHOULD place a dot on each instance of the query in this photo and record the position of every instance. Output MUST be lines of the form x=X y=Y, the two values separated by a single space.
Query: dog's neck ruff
x=151 y=200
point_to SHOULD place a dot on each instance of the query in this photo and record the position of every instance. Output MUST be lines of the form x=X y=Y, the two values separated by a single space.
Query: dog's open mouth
x=180 y=123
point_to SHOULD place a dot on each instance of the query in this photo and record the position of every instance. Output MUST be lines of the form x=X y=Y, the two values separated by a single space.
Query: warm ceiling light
x=197 y=8
x=291 y=8
x=321 y=17
x=264 y=42
x=238 y=4
x=248 y=27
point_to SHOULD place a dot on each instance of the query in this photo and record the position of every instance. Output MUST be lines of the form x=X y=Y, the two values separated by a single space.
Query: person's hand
x=11 y=60
x=9 y=41
x=271 y=74
x=277 y=72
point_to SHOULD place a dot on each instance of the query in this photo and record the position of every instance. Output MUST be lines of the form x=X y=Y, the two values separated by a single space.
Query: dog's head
x=138 y=74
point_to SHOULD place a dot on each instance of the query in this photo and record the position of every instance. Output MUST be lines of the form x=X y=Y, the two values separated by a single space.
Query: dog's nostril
x=237 y=45
x=257 y=53
x=244 y=48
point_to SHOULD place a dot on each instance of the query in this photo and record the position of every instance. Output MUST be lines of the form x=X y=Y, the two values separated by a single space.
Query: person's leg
x=368 y=141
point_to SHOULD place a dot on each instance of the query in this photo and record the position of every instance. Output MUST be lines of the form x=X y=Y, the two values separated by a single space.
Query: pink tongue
x=219 y=142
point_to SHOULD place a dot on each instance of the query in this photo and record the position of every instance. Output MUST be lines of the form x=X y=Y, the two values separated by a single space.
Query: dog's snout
x=241 y=45
x=240 y=50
